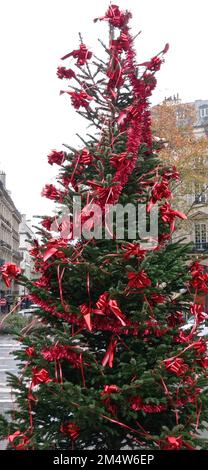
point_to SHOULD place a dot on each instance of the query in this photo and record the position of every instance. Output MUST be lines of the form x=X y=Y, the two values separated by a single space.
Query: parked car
x=29 y=311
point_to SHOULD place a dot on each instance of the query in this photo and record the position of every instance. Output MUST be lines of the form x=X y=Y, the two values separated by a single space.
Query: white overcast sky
x=34 y=34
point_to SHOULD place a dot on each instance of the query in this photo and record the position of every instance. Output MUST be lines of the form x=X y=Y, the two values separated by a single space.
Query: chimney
x=3 y=178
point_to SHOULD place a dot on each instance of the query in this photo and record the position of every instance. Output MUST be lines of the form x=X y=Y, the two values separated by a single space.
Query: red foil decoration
x=109 y=355
x=9 y=271
x=71 y=430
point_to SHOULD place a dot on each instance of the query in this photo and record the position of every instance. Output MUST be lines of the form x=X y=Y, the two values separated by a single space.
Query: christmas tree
x=109 y=365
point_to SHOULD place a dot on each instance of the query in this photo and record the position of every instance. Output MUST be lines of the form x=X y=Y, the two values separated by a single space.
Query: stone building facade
x=10 y=219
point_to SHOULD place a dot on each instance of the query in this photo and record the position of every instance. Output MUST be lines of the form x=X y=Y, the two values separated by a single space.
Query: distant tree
x=174 y=123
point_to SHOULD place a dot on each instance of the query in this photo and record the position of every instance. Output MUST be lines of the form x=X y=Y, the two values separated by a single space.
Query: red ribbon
x=60 y=277
x=105 y=306
x=82 y=370
x=109 y=355
x=86 y=312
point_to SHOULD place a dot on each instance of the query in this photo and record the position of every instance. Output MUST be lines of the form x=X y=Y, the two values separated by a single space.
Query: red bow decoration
x=62 y=72
x=154 y=64
x=82 y=55
x=70 y=429
x=121 y=44
x=51 y=192
x=159 y=191
x=108 y=389
x=115 y=17
x=176 y=366
x=79 y=98
x=8 y=271
x=30 y=351
x=85 y=157
x=23 y=442
x=197 y=311
x=53 y=248
x=86 y=312
x=200 y=346
x=106 y=305
x=104 y=195
x=199 y=277
x=168 y=215
x=40 y=376
x=56 y=157
x=47 y=222
x=133 y=249
x=138 y=280
x=196 y=268
x=109 y=355
x=118 y=159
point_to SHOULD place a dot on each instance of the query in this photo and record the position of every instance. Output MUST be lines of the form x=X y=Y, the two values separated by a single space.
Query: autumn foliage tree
x=110 y=364
x=174 y=122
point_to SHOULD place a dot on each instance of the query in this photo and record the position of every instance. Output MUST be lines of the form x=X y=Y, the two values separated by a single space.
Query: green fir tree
x=108 y=364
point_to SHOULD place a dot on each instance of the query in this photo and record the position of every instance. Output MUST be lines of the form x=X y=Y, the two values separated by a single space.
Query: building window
x=204 y=112
x=200 y=196
x=200 y=236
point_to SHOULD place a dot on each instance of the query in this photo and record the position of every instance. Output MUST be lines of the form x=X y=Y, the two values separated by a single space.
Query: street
x=7 y=364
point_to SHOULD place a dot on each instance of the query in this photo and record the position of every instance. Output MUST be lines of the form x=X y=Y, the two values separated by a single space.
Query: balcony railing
x=200 y=247
x=15 y=233
x=5 y=221
x=5 y=244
